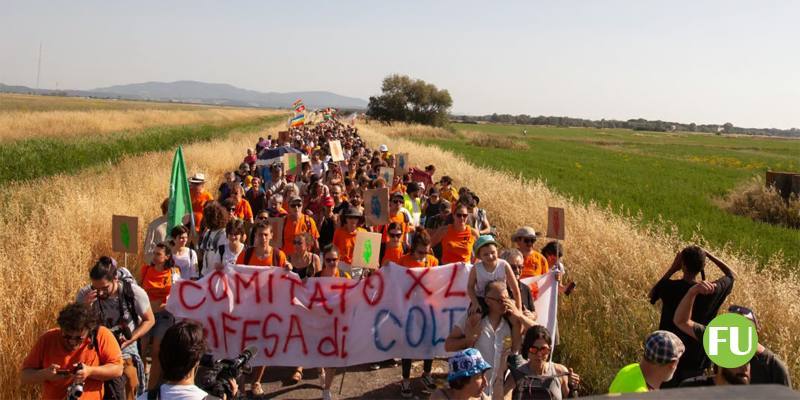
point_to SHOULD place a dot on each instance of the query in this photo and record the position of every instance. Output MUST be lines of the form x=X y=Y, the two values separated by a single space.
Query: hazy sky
x=701 y=61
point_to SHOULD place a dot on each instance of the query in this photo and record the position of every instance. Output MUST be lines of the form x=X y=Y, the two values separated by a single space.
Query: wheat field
x=613 y=261
x=16 y=125
x=52 y=230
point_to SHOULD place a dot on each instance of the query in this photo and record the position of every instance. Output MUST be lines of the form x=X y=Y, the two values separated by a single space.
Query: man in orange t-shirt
x=262 y=254
x=534 y=262
x=296 y=223
x=199 y=197
x=53 y=359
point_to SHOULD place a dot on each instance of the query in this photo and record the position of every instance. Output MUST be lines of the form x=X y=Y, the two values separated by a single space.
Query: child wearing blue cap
x=490 y=268
x=466 y=378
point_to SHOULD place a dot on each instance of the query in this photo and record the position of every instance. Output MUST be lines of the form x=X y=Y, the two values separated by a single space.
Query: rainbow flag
x=299 y=109
x=297 y=102
x=298 y=120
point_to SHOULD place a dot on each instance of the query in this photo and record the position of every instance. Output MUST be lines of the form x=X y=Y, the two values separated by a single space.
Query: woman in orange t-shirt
x=392 y=250
x=344 y=238
x=243 y=210
x=419 y=257
x=456 y=238
x=157 y=280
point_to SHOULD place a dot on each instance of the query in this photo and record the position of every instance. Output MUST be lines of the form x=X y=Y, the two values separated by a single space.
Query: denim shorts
x=164 y=319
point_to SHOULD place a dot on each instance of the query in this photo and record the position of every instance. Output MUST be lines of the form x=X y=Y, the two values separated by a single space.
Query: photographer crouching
x=123 y=308
x=186 y=343
x=73 y=360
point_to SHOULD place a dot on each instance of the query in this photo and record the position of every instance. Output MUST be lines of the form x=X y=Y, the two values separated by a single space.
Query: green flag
x=180 y=202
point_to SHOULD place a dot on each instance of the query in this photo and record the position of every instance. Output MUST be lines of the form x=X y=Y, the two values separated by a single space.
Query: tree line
x=638 y=124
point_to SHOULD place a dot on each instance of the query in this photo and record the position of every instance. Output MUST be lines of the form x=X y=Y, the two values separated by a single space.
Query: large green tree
x=410 y=100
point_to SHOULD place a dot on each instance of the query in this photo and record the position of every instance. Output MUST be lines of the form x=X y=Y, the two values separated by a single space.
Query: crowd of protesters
x=118 y=326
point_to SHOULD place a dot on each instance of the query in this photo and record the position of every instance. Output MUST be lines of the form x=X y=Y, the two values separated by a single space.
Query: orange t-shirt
x=409 y=261
x=392 y=254
x=262 y=262
x=292 y=228
x=157 y=284
x=457 y=246
x=346 y=243
x=400 y=218
x=49 y=350
x=199 y=201
x=243 y=210
x=535 y=265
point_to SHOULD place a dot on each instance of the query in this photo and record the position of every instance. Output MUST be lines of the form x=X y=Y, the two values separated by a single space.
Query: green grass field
x=662 y=175
x=39 y=157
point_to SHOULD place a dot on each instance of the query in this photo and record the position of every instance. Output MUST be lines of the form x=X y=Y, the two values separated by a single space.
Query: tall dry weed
x=614 y=262
x=26 y=125
x=51 y=230
x=759 y=202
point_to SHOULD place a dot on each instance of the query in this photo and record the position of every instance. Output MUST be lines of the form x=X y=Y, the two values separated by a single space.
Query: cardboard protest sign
x=292 y=163
x=336 y=151
x=376 y=207
x=125 y=234
x=367 y=252
x=284 y=137
x=401 y=164
x=277 y=231
x=387 y=173
x=555 y=223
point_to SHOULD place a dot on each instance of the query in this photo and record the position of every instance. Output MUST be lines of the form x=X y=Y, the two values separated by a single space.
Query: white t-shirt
x=484 y=277
x=491 y=344
x=187 y=262
x=180 y=392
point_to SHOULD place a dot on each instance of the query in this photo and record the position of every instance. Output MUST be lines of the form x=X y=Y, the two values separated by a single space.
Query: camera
x=216 y=380
x=75 y=390
x=121 y=333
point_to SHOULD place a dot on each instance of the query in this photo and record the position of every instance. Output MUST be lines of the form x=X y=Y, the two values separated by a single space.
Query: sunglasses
x=539 y=349
x=460 y=215
x=232 y=209
x=398 y=201
x=395 y=235
x=69 y=338
x=529 y=240
x=331 y=260
x=295 y=205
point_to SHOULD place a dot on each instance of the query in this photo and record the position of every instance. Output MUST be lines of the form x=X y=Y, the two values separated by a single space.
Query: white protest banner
x=555 y=223
x=546 y=301
x=336 y=151
x=395 y=312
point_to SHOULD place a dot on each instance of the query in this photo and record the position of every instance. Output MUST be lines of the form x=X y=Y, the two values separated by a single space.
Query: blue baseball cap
x=483 y=240
x=465 y=363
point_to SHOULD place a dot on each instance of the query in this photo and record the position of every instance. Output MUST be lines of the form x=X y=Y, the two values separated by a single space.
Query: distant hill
x=205 y=93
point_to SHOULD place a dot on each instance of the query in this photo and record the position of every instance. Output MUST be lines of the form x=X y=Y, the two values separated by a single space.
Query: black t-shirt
x=326 y=230
x=671 y=292
x=527 y=297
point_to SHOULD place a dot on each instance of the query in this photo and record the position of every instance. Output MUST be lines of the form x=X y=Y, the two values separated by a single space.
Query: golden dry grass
x=52 y=230
x=615 y=263
x=25 y=125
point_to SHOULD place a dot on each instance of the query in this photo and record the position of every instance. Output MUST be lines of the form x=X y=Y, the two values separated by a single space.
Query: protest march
x=321 y=252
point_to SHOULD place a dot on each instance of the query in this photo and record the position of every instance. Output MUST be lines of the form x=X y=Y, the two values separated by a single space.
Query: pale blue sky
x=701 y=61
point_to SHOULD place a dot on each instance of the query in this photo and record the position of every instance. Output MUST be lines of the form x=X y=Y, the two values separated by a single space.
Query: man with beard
x=764 y=368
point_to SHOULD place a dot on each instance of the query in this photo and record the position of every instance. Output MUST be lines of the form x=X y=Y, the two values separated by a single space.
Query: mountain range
x=205 y=93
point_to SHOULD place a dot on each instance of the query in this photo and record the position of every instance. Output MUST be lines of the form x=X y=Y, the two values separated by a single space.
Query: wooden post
x=785 y=183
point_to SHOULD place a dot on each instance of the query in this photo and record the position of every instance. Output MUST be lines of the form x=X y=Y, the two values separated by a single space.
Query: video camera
x=216 y=380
